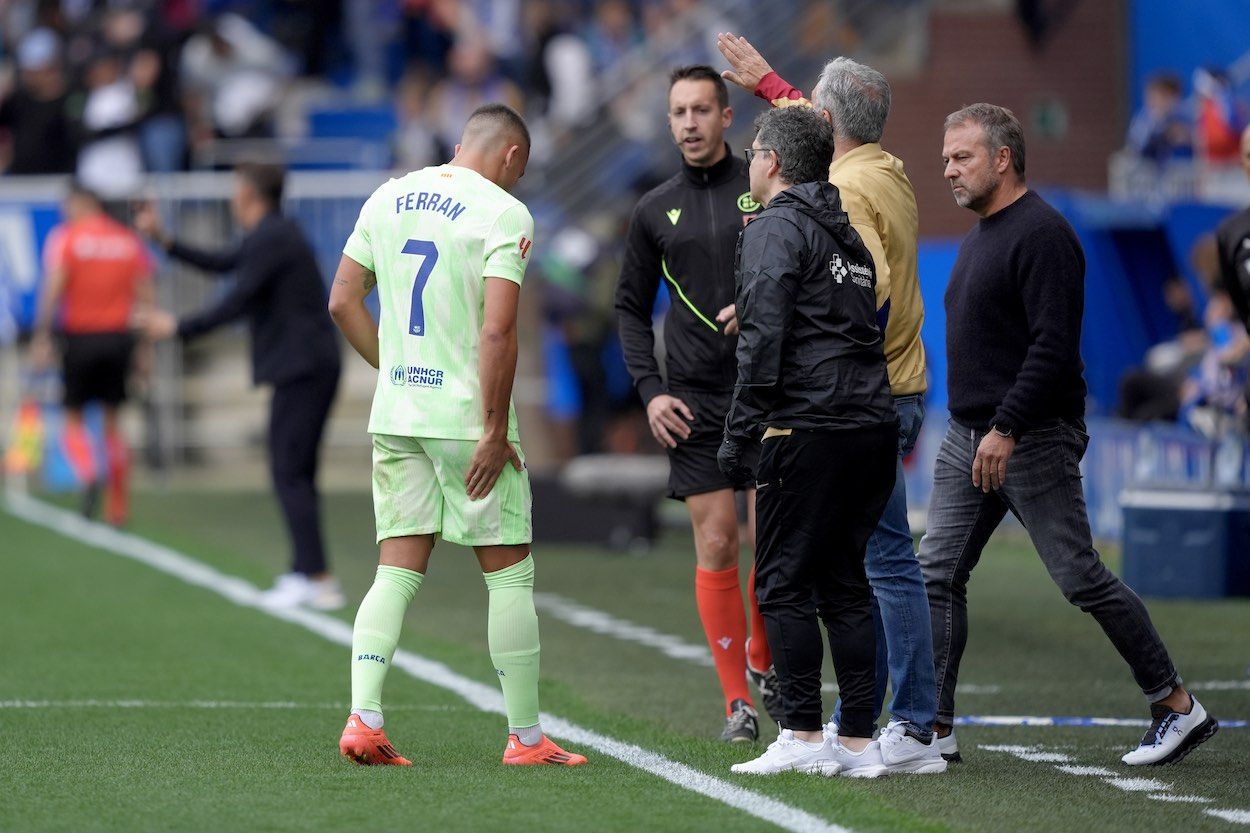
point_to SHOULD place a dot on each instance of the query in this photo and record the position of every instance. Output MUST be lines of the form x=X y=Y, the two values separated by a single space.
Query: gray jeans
x=1043 y=490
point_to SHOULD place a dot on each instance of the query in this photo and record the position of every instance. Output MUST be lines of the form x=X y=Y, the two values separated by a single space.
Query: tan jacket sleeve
x=863 y=219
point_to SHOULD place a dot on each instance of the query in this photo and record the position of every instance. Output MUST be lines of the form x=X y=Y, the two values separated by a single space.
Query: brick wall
x=986 y=56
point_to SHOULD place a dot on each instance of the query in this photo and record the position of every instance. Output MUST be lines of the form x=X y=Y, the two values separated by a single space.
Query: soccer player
x=447 y=248
x=685 y=231
x=98 y=279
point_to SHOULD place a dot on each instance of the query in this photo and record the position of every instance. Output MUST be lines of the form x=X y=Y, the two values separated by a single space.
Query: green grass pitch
x=132 y=701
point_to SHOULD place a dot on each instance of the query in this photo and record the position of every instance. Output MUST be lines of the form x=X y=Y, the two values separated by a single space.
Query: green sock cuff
x=407 y=582
x=520 y=574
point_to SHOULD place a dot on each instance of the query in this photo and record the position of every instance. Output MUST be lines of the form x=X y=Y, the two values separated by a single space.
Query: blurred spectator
x=474 y=80
x=1153 y=390
x=429 y=31
x=416 y=146
x=36 y=114
x=1213 y=397
x=1160 y=131
x=561 y=70
x=612 y=33
x=1221 y=116
x=234 y=76
x=109 y=161
x=150 y=53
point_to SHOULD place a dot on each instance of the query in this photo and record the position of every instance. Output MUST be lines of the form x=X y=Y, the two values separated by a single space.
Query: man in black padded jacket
x=683 y=234
x=812 y=386
x=278 y=288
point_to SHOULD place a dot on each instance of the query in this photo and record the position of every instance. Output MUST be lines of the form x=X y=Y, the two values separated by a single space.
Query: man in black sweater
x=1017 y=400
x=280 y=291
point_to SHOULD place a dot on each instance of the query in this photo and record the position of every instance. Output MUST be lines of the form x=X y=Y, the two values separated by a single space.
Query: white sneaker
x=866 y=763
x=788 y=754
x=1172 y=735
x=295 y=589
x=900 y=752
x=948 y=747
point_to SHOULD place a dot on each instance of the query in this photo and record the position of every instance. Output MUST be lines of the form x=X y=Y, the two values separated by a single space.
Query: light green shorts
x=418 y=489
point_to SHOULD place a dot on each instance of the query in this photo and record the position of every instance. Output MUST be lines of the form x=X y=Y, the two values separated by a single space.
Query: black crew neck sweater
x=1013 y=321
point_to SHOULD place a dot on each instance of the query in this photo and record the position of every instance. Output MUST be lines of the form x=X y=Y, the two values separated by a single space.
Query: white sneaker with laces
x=1172 y=735
x=866 y=763
x=295 y=589
x=900 y=752
x=788 y=754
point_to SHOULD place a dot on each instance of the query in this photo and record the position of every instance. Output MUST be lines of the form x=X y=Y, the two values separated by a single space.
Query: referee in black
x=279 y=289
x=812 y=385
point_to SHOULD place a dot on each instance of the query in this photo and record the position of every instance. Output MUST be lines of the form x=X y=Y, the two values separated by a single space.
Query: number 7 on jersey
x=428 y=253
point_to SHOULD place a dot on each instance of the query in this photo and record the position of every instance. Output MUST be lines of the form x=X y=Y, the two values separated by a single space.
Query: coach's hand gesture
x=989 y=467
x=729 y=317
x=490 y=455
x=665 y=416
x=749 y=66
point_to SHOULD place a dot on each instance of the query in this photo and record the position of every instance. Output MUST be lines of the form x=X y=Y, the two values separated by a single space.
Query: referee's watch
x=1004 y=431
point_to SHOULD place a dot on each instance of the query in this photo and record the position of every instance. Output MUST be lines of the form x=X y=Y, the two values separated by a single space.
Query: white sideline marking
x=1235 y=816
x=1180 y=799
x=1101 y=772
x=201 y=704
x=1138 y=785
x=1156 y=790
x=484 y=697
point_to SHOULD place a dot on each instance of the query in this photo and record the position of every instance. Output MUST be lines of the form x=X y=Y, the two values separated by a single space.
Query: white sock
x=530 y=735
x=371 y=719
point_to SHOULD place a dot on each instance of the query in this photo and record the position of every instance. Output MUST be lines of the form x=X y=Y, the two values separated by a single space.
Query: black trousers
x=297 y=419
x=819 y=497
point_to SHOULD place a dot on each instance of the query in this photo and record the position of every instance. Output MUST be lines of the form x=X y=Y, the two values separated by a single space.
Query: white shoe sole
x=875 y=771
x=924 y=766
x=825 y=769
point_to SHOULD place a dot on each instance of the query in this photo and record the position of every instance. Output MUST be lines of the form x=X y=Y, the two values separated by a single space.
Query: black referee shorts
x=692 y=468
x=95 y=367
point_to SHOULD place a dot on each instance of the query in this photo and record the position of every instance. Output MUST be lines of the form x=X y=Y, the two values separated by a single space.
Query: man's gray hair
x=803 y=142
x=856 y=96
x=1002 y=129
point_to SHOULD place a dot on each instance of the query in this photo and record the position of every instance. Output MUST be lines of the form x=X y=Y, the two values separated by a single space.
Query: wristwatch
x=1007 y=432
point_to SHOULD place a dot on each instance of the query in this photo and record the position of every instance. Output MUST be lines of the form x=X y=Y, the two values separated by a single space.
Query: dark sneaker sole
x=739 y=739
x=1198 y=736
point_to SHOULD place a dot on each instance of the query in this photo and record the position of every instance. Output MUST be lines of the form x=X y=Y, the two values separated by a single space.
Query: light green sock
x=378 y=622
x=512 y=630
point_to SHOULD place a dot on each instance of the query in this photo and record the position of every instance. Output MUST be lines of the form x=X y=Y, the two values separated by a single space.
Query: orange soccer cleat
x=546 y=752
x=368 y=746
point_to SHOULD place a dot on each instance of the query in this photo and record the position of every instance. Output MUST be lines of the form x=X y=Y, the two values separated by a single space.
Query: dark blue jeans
x=900 y=608
x=1043 y=490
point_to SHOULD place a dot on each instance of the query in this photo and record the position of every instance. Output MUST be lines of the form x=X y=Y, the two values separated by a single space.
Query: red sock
x=78 y=453
x=759 y=657
x=116 y=499
x=718 y=596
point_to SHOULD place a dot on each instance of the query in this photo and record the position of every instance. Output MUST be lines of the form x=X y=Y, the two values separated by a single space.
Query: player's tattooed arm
x=352 y=282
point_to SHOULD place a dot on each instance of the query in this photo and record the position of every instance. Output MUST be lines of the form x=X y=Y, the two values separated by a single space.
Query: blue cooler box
x=1187 y=544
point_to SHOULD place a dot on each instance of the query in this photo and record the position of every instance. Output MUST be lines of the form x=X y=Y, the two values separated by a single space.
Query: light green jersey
x=432 y=238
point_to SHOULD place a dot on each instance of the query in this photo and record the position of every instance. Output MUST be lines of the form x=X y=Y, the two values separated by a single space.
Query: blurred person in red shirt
x=97 y=280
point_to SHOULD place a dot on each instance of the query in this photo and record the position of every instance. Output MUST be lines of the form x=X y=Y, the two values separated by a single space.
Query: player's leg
x=408 y=511
x=113 y=372
x=499 y=528
x=718 y=597
x=760 y=669
x=78 y=371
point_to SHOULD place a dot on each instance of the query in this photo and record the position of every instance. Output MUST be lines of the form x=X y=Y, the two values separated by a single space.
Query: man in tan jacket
x=881 y=205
